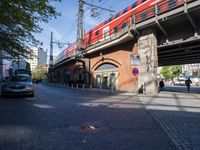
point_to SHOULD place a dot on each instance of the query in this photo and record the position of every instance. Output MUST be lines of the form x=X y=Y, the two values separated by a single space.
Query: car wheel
x=32 y=95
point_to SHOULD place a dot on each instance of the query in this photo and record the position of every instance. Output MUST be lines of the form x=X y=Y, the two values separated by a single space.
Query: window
x=115 y=29
x=134 y=5
x=97 y=32
x=143 y=1
x=110 y=19
x=123 y=25
x=125 y=10
x=143 y=16
x=106 y=32
x=105 y=22
x=117 y=15
x=104 y=67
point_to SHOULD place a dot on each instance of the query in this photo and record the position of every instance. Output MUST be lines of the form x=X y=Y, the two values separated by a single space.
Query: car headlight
x=29 y=87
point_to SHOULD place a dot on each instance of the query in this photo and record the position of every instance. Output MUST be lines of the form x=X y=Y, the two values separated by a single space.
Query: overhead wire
x=95 y=21
x=119 y=7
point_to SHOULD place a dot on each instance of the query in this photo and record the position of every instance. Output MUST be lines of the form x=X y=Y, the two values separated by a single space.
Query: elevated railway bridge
x=163 y=34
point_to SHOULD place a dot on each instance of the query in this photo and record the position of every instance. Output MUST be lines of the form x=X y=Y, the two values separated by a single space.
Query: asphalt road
x=65 y=119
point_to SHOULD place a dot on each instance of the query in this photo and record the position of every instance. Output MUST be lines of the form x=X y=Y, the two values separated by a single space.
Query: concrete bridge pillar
x=147 y=79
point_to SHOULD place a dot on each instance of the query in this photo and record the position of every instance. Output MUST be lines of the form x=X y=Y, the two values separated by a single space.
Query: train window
x=115 y=29
x=106 y=32
x=105 y=22
x=125 y=10
x=117 y=15
x=97 y=32
x=143 y=16
x=143 y=1
x=123 y=25
x=110 y=19
x=172 y=4
x=134 y=5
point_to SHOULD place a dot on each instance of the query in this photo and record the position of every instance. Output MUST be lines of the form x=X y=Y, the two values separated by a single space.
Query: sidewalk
x=179 y=115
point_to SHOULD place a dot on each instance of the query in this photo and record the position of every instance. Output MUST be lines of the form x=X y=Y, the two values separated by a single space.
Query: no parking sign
x=135 y=71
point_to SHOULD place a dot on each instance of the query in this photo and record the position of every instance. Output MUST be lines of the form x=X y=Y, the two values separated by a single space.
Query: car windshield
x=20 y=79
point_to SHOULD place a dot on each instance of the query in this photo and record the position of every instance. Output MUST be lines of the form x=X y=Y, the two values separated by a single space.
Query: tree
x=176 y=71
x=19 y=21
x=165 y=72
x=40 y=73
x=170 y=72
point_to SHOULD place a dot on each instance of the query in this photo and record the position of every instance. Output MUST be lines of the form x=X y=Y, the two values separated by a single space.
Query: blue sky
x=64 y=27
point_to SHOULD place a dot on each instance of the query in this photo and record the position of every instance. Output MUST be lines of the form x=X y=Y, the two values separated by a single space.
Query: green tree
x=40 y=73
x=170 y=72
x=19 y=22
x=176 y=71
x=165 y=72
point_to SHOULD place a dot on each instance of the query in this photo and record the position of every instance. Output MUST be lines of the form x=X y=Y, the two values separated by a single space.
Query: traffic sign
x=135 y=71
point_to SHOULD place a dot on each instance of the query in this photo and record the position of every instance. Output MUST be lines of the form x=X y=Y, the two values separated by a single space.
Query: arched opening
x=105 y=76
x=66 y=76
x=79 y=76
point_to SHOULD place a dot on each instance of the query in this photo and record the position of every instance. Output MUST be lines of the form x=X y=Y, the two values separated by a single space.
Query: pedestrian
x=187 y=83
x=172 y=82
x=161 y=84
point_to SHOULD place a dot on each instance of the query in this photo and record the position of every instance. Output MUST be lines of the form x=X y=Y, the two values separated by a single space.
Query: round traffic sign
x=135 y=71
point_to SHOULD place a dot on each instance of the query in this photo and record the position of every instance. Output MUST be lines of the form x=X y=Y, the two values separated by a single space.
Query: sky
x=64 y=28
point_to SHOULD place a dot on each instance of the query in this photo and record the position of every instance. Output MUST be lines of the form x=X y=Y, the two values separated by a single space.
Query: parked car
x=19 y=84
x=179 y=81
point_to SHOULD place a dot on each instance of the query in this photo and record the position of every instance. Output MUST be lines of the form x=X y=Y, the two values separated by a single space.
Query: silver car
x=20 y=84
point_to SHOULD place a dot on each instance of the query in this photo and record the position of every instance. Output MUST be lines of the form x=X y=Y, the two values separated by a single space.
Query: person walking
x=161 y=84
x=187 y=83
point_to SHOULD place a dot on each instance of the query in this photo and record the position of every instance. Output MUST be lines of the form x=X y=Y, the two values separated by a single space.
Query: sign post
x=135 y=62
x=135 y=72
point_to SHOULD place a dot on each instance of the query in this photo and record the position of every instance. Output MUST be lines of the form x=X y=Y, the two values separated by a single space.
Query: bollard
x=83 y=86
x=76 y=86
x=100 y=88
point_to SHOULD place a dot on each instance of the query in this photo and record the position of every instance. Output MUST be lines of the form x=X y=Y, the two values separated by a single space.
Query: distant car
x=20 y=84
x=179 y=81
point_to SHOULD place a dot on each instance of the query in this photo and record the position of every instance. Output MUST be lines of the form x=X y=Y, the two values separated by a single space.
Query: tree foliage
x=40 y=73
x=19 y=21
x=170 y=72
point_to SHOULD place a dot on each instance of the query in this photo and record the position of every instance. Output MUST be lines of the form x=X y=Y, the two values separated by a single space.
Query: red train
x=134 y=13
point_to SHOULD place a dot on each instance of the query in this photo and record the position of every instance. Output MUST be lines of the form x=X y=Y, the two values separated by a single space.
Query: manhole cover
x=91 y=128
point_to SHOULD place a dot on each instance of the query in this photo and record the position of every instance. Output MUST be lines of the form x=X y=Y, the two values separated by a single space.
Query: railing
x=145 y=14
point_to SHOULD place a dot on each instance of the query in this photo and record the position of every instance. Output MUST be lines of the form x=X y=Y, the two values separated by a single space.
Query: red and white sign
x=135 y=71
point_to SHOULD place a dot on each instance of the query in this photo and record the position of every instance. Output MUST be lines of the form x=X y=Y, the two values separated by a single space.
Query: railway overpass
x=159 y=37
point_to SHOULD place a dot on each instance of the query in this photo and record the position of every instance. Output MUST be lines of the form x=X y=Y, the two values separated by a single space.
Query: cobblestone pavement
x=179 y=115
x=64 y=119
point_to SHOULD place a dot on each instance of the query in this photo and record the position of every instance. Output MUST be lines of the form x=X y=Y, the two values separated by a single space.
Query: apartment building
x=37 y=57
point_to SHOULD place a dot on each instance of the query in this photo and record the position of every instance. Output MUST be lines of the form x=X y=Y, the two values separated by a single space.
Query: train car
x=116 y=23
x=136 y=12
x=142 y=9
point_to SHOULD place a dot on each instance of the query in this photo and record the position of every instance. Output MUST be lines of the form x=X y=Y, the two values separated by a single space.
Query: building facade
x=37 y=57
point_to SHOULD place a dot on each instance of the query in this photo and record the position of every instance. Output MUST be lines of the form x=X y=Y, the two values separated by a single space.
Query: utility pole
x=80 y=26
x=80 y=23
x=51 y=50
x=60 y=45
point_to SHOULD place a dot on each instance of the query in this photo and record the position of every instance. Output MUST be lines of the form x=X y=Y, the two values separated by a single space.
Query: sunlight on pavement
x=43 y=106
x=173 y=102
x=114 y=102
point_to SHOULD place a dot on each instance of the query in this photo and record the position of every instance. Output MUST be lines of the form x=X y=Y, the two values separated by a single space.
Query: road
x=69 y=119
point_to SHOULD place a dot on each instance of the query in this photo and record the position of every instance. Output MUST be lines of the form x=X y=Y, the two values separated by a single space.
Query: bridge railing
x=145 y=14
x=152 y=11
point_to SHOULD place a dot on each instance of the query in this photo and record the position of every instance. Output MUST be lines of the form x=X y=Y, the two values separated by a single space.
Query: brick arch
x=105 y=61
